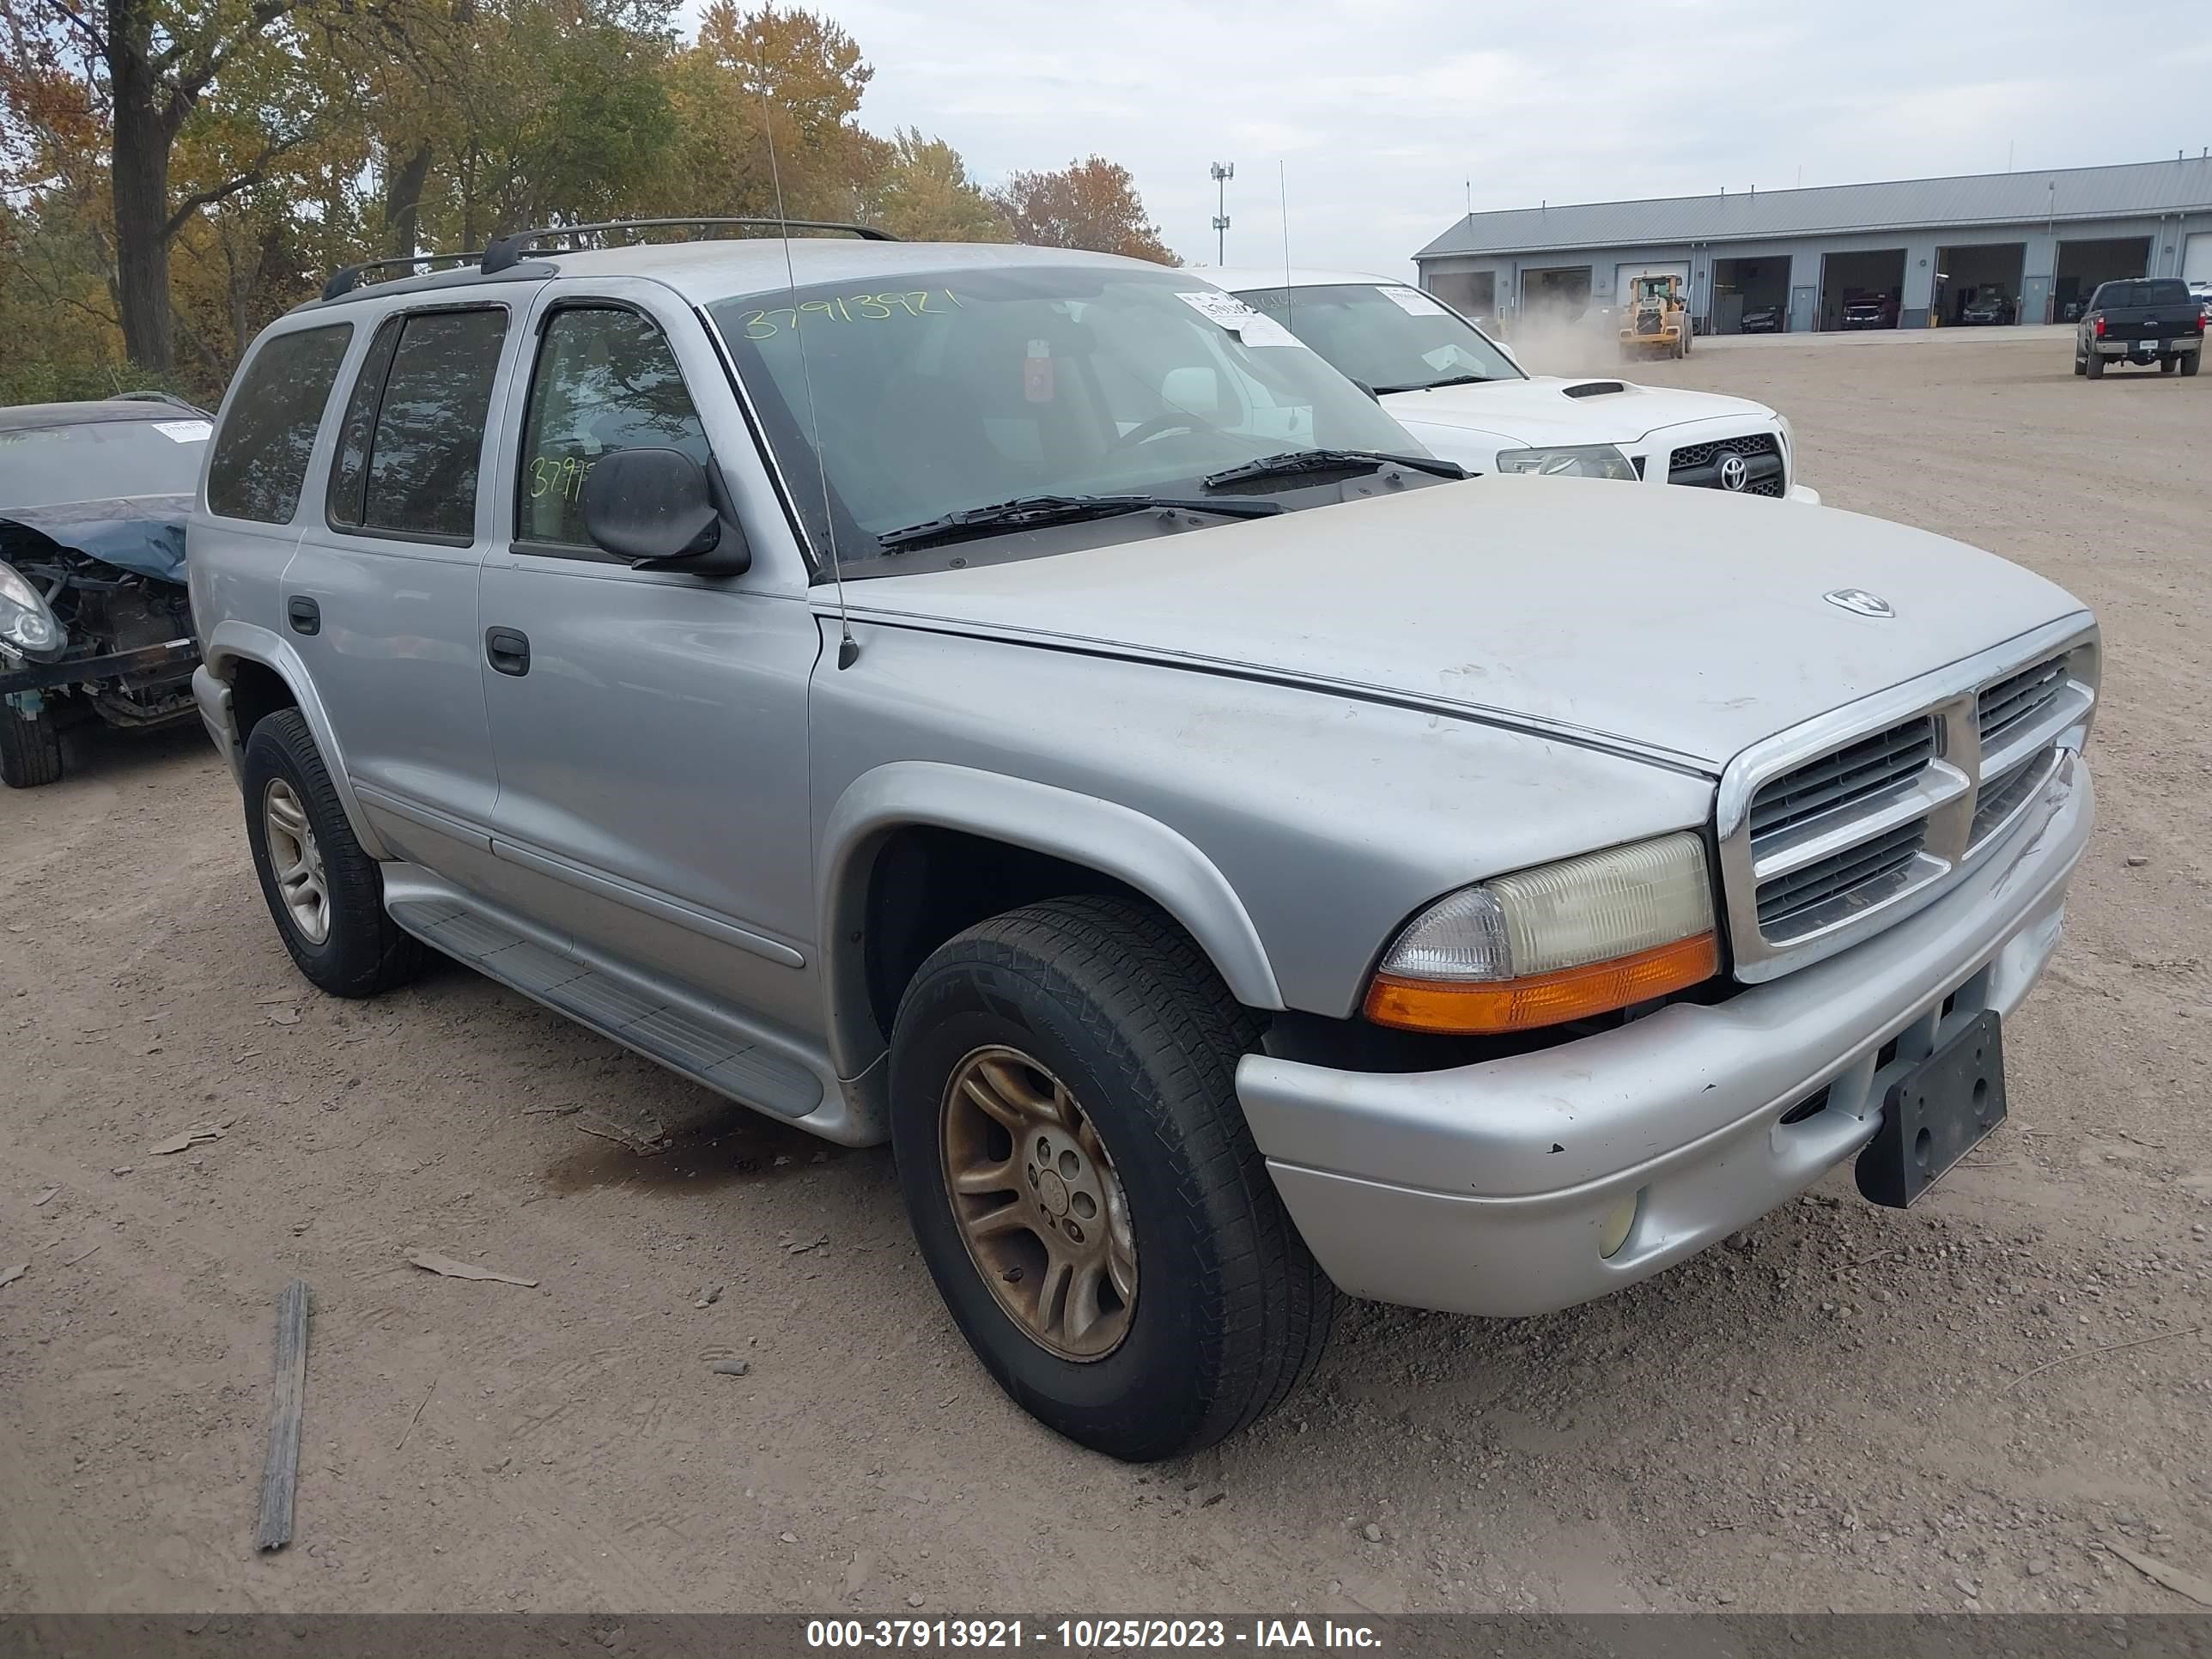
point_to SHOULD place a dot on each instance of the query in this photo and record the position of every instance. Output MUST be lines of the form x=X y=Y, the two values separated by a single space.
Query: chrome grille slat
x=1853 y=874
x=2012 y=702
x=2002 y=796
x=1850 y=777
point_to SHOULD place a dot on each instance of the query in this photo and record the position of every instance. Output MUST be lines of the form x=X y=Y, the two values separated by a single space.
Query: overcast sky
x=1381 y=111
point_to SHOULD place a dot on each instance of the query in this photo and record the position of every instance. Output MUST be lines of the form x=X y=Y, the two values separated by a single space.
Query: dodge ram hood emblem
x=1735 y=474
x=1859 y=602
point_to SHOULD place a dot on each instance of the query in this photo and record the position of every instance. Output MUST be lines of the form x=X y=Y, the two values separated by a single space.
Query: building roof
x=1989 y=198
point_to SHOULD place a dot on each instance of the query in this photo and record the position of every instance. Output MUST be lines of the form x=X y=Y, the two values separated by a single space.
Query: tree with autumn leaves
x=175 y=173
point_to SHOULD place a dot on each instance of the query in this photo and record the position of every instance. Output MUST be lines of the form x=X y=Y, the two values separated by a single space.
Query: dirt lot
x=1836 y=1412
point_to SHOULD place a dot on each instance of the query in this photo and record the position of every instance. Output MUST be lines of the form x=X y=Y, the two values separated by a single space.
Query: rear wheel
x=2190 y=362
x=2166 y=365
x=2081 y=364
x=30 y=748
x=2095 y=370
x=1084 y=1187
x=325 y=892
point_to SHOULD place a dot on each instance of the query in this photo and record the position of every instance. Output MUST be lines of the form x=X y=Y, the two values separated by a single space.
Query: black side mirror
x=659 y=507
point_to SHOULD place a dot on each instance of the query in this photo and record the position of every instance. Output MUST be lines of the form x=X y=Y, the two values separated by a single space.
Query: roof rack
x=503 y=251
x=347 y=278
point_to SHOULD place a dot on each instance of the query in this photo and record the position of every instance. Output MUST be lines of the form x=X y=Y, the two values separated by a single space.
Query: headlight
x=1562 y=941
x=26 y=624
x=1581 y=461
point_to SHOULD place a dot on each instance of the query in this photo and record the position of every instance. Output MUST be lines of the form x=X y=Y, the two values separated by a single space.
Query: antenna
x=849 y=649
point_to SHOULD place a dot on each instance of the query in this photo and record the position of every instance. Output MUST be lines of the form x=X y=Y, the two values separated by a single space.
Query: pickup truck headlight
x=1579 y=461
x=1560 y=942
x=26 y=624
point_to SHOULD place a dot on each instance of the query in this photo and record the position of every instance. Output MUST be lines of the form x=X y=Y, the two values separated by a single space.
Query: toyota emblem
x=1735 y=474
x=1859 y=602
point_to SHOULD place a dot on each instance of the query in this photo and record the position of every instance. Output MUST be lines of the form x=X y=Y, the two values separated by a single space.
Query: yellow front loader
x=1655 y=320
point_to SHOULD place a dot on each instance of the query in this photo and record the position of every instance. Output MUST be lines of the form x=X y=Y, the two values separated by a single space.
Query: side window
x=414 y=429
x=350 y=466
x=260 y=458
x=605 y=380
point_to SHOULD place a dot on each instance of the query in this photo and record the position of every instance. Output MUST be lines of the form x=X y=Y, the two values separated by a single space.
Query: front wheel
x=30 y=748
x=1084 y=1187
x=325 y=892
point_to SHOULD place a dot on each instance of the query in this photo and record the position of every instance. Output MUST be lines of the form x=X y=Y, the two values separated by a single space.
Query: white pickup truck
x=1469 y=399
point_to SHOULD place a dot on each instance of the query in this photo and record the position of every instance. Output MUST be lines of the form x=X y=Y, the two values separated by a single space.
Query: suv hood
x=1677 y=623
x=1539 y=411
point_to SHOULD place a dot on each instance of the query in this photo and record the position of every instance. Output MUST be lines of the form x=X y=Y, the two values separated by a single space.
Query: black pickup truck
x=2144 y=319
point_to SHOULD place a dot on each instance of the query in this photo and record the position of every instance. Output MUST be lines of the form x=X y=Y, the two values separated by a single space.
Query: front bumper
x=83 y=671
x=1485 y=1189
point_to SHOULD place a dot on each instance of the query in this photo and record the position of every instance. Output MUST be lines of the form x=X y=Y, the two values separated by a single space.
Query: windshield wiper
x=1430 y=385
x=1327 y=460
x=1030 y=512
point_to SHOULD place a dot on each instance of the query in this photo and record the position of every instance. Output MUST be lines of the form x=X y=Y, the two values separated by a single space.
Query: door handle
x=304 y=614
x=508 y=650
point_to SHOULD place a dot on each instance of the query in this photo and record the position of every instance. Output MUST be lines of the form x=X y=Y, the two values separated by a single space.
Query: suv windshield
x=968 y=389
x=99 y=460
x=1393 y=337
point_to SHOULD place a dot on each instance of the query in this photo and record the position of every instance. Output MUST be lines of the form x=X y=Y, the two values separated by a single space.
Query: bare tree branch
x=98 y=41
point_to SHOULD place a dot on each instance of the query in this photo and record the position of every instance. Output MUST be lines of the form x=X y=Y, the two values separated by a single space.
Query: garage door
x=1623 y=275
x=2196 y=258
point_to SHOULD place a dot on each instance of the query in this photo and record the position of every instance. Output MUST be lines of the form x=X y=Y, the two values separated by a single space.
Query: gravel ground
x=1835 y=1411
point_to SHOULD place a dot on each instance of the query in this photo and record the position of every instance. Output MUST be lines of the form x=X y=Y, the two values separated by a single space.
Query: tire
x=30 y=748
x=2095 y=370
x=2190 y=362
x=1227 y=1310
x=2081 y=366
x=2166 y=364
x=361 y=952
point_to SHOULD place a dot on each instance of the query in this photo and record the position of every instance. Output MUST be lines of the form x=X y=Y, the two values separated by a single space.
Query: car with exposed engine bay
x=1025 y=706
x=1468 y=397
x=94 y=620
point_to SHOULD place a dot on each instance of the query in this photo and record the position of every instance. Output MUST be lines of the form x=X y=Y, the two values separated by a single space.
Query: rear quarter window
x=260 y=457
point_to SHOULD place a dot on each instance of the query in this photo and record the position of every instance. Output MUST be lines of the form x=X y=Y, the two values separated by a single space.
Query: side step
x=706 y=1050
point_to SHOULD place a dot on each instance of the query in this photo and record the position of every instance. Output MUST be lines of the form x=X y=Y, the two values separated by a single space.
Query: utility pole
x=1223 y=173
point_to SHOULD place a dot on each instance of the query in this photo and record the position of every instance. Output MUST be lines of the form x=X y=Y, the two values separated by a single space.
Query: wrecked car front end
x=94 y=623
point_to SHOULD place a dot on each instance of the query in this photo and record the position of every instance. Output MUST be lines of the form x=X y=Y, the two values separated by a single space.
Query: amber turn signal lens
x=1485 y=1007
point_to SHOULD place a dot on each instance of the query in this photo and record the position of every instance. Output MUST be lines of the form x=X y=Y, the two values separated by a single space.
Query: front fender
x=233 y=642
x=1157 y=861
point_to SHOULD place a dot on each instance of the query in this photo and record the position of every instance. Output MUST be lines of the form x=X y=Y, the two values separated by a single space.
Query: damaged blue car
x=95 y=623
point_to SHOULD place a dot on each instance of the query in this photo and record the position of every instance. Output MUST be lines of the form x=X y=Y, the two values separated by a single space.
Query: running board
x=624 y=1007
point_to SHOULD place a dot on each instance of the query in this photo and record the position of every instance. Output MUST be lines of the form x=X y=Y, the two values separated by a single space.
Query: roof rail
x=347 y=278
x=503 y=251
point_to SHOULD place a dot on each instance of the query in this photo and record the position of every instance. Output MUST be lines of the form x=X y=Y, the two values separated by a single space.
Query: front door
x=649 y=728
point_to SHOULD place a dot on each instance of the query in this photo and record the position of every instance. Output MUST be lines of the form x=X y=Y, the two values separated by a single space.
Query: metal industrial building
x=1925 y=247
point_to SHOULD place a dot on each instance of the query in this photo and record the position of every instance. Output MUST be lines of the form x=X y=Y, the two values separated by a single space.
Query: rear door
x=649 y=726
x=381 y=600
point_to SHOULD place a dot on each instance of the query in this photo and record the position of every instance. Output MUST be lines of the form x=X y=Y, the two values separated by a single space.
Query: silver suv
x=1026 y=706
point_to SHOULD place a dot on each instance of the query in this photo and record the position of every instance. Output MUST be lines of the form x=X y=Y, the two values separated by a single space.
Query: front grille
x=2014 y=702
x=1853 y=878
x=2002 y=795
x=1768 y=487
x=1828 y=834
x=1751 y=444
x=1852 y=776
x=1647 y=324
